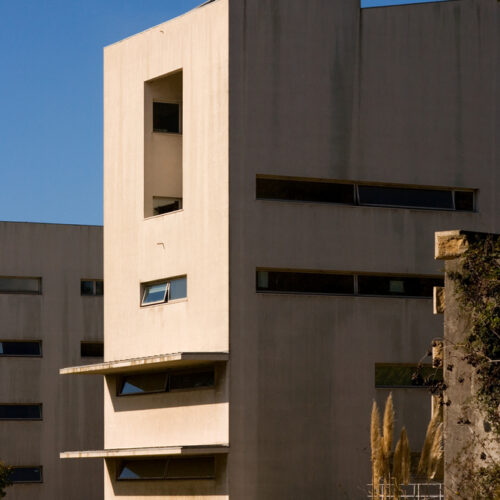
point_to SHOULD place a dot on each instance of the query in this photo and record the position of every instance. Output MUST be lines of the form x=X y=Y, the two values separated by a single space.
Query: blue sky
x=51 y=100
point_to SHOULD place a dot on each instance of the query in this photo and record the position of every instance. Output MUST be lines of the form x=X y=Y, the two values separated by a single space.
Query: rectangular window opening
x=165 y=291
x=91 y=287
x=150 y=383
x=163 y=137
x=402 y=375
x=28 y=348
x=312 y=283
x=169 y=468
x=392 y=196
x=20 y=285
x=91 y=349
x=20 y=412
x=26 y=475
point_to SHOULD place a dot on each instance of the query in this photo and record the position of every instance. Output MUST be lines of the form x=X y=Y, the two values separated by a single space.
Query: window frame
x=21 y=419
x=166 y=299
x=166 y=101
x=414 y=366
x=94 y=287
x=23 y=292
x=29 y=467
x=23 y=341
x=356 y=197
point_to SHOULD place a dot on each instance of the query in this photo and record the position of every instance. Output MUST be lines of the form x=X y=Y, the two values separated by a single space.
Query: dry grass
x=425 y=457
x=376 y=447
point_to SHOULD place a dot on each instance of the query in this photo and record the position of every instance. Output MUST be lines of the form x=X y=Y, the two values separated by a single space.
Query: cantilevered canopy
x=149 y=363
x=156 y=451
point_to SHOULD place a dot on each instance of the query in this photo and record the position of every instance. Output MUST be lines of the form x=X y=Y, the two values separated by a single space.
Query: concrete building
x=49 y=317
x=274 y=172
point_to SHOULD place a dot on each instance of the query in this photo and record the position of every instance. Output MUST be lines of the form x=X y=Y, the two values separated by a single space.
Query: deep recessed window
x=20 y=285
x=149 y=383
x=91 y=287
x=20 y=411
x=26 y=474
x=91 y=349
x=171 y=468
x=166 y=117
x=163 y=205
x=20 y=348
x=165 y=291
x=394 y=375
x=296 y=190
x=285 y=189
x=398 y=286
x=304 y=282
x=345 y=284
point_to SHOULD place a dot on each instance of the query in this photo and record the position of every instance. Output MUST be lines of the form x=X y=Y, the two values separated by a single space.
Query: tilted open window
x=164 y=291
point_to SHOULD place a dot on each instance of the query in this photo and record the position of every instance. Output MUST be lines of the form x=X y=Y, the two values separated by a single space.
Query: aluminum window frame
x=21 y=419
x=166 y=101
x=23 y=292
x=29 y=467
x=24 y=341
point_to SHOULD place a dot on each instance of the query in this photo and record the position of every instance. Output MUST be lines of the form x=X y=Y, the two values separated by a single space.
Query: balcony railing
x=414 y=491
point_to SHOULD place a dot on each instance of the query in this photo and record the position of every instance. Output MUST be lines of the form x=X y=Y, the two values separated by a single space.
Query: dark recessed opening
x=166 y=117
x=170 y=468
x=26 y=475
x=464 y=200
x=298 y=282
x=20 y=412
x=20 y=348
x=397 y=286
x=292 y=190
x=91 y=349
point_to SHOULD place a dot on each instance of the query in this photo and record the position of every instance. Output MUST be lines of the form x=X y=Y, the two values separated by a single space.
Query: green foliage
x=477 y=287
x=4 y=478
x=478 y=291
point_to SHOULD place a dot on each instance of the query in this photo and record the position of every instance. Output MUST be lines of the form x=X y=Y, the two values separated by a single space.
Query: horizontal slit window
x=91 y=349
x=162 y=205
x=303 y=282
x=20 y=411
x=26 y=474
x=397 y=286
x=91 y=287
x=400 y=375
x=20 y=348
x=405 y=197
x=171 y=468
x=20 y=285
x=388 y=3
x=287 y=189
x=149 y=383
x=292 y=190
x=166 y=291
x=345 y=284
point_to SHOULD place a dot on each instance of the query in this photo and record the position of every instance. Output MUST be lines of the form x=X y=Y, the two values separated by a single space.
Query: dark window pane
x=191 y=380
x=401 y=375
x=325 y=192
x=87 y=287
x=166 y=117
x=464 y=200
x=191 y=468
x=143 y=384
x=20 y=285
x=178 y=288
x=397 y=286
x=26 y=475
x=143 y=469
x=168 y=207
x=405 y=197
x=11 y=348
x=99 y=287
x=15 y=412
x=292 y=282
x=155 y=293
x=91 y=349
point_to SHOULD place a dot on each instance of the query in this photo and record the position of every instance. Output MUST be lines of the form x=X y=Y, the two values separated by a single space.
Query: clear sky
x=51 y=100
